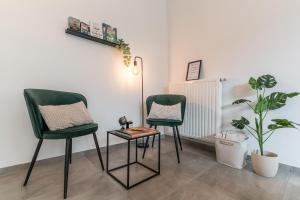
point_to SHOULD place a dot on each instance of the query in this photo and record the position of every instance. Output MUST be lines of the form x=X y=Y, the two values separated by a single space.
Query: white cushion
x=159 y=111
x=65 y=116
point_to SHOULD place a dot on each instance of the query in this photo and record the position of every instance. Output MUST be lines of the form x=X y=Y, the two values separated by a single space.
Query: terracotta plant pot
x=266 y=165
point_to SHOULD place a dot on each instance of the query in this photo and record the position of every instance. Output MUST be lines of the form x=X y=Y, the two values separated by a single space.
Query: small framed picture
x=109 y=33
x=193 y=70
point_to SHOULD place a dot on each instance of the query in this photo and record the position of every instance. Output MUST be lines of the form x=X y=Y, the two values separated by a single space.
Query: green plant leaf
x=282 y=123
x=277 y=100
x=293 y=94
x=254 y=84
x=125 y=49
x=256 y=124
x=266 y=81
x=240 y=124
x=240 y=101
x=261 y=105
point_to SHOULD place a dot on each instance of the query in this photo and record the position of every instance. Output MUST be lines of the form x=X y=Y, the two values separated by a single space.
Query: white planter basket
x=231 y=149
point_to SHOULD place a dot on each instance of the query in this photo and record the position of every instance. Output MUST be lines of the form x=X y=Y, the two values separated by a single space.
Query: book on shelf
x=95 y=30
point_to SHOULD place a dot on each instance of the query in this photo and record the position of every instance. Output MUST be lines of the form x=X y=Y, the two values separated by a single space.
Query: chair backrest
x=36 y=97
x=167 y=99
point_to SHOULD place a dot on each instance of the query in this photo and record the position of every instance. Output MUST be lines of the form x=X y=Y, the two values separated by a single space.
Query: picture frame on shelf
x=95 y=30
x=193 y=70
x=85 y=28
x=109 y=33
x=74 y=24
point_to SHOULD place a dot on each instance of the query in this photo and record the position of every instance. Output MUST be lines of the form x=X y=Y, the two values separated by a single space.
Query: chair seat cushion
x=164 y=122
x=72 y=132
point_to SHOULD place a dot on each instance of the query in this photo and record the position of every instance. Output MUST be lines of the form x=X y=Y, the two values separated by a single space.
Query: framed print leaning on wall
x=193 y=70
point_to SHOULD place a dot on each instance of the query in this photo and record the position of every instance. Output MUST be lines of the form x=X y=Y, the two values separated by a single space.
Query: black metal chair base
x=176 y=141
x=68 y=161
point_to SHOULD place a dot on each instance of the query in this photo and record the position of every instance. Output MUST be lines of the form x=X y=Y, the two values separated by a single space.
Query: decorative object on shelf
x=125 y=49
x=73 y=24
x=123 y=121
x=85 y=28
x=264 y=163
x=109 y=33
x=193 y=70
x=95 y=30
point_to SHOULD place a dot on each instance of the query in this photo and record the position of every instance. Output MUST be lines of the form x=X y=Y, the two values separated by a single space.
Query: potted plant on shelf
x=264 y=163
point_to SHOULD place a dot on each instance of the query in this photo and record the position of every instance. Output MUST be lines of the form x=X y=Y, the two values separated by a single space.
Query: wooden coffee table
x=129 y=135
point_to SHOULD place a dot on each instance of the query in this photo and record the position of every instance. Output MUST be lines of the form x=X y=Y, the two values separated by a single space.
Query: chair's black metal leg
x=179 y=138
x=145 y=148
x=33 y=161
x=107 y=152
x=71 y=151
x=154 y=137
x=66 y=171
x=176 y=145
x=159 y=153
x=98 y=151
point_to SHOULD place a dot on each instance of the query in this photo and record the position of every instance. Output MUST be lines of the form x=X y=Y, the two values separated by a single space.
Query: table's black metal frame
x=129 y=139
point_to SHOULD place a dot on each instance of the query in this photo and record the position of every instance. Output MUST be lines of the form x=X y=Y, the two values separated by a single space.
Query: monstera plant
x=261 y=107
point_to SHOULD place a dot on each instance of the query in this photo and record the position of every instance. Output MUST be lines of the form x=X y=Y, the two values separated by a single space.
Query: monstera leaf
x=254 y=84
x=240 y=101
x=281 y=123
x=261 y=105
x=240 y=124
x=278 y=99
x=266 y=81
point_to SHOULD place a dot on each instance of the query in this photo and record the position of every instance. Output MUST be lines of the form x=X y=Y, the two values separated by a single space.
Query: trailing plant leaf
x=254 y=84
x=240 y=101
x=261 y=105
x=125 y=49
x=266 y=81
x=240 y=124
x=281 y=123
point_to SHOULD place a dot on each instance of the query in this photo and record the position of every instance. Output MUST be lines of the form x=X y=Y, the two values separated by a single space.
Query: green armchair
x=35 y=97
x=166 y=99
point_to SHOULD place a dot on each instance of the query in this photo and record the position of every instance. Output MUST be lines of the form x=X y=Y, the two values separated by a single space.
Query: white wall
x=238 y=39
x=35 y=52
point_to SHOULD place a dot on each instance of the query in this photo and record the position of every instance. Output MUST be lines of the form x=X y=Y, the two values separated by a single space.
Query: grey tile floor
x=198 y=177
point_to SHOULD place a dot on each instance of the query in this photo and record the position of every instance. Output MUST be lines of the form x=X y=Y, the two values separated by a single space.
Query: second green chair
x=166 y=99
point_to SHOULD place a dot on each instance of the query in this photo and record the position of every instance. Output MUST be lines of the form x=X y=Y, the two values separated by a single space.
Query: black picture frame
x=192 y=73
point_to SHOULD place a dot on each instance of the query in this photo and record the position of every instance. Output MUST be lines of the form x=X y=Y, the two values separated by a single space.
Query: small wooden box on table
x=130 y=135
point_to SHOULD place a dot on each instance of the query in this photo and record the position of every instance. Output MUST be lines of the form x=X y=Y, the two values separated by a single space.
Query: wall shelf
x=85 y=36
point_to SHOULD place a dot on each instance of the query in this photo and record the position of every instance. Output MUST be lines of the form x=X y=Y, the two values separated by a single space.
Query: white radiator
x=203 y=107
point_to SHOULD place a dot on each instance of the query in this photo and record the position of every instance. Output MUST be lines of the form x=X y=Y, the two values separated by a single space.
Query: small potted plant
x=264 y=163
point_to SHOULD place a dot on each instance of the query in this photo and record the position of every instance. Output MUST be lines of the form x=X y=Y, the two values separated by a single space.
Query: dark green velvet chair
x=166 y=99
x=35 y=97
